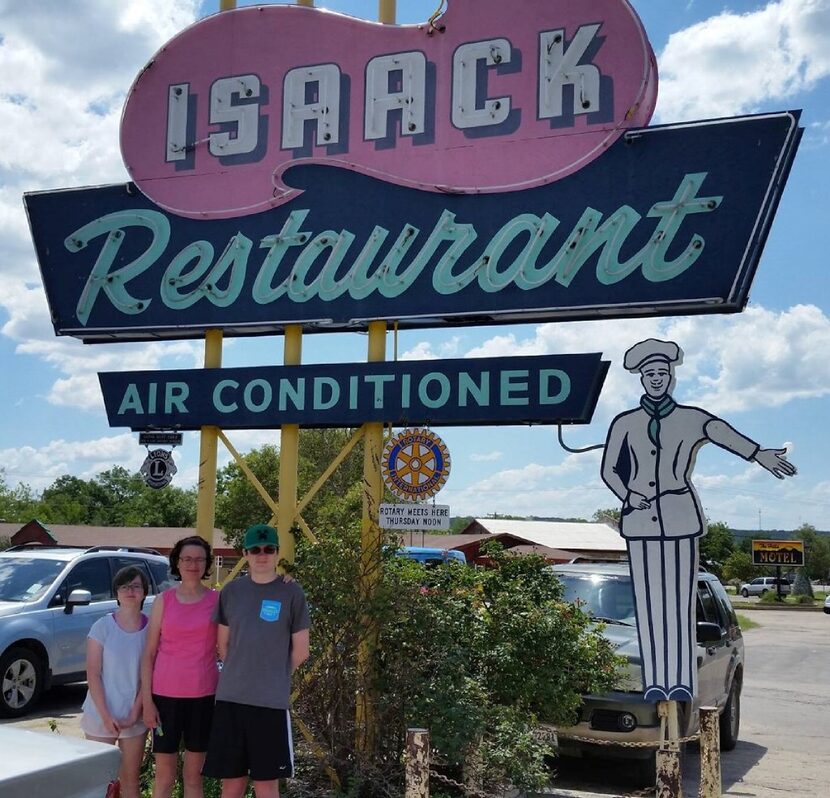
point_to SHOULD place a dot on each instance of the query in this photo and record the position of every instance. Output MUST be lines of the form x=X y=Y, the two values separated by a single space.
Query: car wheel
x=764 y=592
x=730 y=719
x=21 y=682
x=745 y=593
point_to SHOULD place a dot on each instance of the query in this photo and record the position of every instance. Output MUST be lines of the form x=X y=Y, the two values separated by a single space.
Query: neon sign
x=500 y=97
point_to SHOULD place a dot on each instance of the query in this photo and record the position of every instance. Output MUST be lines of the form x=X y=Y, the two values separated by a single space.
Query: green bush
x=803 y=599
x=475 y=656
x=770 y=597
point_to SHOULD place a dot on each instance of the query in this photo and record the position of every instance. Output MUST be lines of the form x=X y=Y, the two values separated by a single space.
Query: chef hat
x=650 y=350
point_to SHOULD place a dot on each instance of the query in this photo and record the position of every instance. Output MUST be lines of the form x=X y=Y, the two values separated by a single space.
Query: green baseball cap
x=260 y=535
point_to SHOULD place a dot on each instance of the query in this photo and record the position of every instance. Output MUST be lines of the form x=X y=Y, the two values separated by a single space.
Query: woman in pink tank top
x=179 y=671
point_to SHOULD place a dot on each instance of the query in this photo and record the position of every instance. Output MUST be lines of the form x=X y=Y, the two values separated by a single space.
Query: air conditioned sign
x=543 y=389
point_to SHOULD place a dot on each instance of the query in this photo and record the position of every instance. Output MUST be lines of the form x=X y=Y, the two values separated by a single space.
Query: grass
x=746 y=623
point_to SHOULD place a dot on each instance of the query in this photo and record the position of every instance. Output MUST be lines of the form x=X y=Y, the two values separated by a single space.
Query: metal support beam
x=289 y=455
x=387 y=11
x=370 y=543
x=206 y=496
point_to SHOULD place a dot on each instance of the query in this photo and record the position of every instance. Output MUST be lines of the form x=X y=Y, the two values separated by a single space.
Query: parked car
x=36 y=763
x=763 y=584
x=432 y=556
x=605 y=591
x=49 y=598
x=827 y=605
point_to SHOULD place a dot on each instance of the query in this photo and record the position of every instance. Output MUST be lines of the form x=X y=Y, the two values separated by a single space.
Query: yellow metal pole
x=289 y=455
x=370 y=538
x=206 y=495
x=386 y=12
x=370 y=542
x=206 y=499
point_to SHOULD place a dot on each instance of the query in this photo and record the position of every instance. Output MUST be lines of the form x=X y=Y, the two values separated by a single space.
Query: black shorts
x=249 y=741
x=188 y=718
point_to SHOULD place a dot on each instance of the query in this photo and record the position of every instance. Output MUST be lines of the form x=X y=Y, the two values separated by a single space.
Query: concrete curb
x=777 y=607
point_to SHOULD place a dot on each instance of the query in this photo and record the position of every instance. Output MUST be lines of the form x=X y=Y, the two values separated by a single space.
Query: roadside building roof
x=160 y=538
x=572 y=536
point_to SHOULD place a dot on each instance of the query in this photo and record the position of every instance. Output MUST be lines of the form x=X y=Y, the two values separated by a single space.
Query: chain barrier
x=551 y=735
x=465 y=788
x=627 y=743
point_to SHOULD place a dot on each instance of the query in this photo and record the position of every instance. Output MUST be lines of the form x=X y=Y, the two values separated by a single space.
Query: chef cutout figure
x=648 y=461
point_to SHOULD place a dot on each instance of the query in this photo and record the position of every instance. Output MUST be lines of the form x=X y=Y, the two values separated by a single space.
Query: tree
x=460 y=523
x=71 y=500
x=170 y=506
x=18 y=504
x=467 y=653
x=601 y=516
x=716 y=546
x=337 y=503
x=116 y=497
x=238 y=504
x=738 y=567
x=802 y=586
x=816 y=551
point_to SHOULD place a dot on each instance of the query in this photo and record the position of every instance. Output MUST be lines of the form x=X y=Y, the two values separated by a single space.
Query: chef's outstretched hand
x=775 y=461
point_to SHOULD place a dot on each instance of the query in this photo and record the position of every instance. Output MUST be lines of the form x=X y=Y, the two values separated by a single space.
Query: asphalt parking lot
x=783 y=747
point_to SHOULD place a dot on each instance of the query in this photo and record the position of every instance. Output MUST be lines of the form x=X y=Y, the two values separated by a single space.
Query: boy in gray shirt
x=263 y=638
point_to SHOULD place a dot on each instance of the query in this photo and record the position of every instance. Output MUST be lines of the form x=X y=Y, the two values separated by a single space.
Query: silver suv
x=622 y=716
x=763 y=584
x=49 y=598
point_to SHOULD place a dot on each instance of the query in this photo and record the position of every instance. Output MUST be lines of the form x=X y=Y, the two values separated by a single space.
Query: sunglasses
x=262 y=550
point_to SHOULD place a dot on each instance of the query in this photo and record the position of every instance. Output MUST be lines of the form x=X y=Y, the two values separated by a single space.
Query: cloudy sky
x=65 y=69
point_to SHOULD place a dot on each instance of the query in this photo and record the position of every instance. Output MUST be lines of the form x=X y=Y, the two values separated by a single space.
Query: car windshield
x=607 y=598
x=27 y=578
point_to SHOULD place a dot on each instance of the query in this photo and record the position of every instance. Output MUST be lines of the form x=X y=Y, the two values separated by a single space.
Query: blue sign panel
x=544 y=389
x=670 y=220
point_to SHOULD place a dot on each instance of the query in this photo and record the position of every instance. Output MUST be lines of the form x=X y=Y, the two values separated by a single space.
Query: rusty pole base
x=669 y=782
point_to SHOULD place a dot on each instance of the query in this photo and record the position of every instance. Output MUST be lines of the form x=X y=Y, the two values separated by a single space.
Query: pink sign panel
x=496 y=97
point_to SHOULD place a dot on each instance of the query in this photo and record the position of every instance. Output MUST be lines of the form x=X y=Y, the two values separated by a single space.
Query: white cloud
x=734 y=63
x=424 y=350
x=65 y=69
x=756 y=359
x=486 y=457
x=765 y=359
x=81 y=364
x=40 y=466
x=817 y=134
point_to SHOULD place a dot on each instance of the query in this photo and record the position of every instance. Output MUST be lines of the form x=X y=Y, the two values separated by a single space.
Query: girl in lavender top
x=112 y=709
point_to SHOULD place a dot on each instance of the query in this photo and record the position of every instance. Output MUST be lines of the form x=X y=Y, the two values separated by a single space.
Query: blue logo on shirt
x=270 y=610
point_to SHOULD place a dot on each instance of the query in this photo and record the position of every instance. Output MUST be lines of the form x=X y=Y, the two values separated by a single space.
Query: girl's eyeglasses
x=262 y=550
x=131 y=588
x=193 y=560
